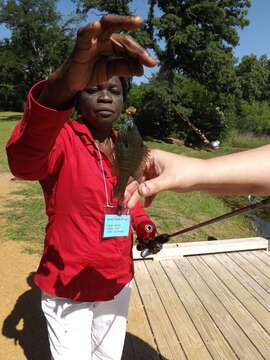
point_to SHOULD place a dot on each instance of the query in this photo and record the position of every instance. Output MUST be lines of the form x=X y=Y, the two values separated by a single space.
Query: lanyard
x=105 y=184
x=114 y=225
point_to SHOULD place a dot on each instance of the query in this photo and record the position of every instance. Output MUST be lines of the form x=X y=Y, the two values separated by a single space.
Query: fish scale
x=130 y=157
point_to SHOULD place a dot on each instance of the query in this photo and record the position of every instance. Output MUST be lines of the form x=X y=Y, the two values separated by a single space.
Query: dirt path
x=22 y=327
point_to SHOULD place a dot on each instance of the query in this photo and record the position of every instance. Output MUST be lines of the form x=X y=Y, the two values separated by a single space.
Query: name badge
x=116 y=225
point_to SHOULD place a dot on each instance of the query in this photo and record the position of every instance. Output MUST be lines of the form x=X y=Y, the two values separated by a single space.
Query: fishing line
x=155 y=245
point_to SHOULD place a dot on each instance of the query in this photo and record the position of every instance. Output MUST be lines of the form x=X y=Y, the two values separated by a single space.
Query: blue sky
x=254 y=39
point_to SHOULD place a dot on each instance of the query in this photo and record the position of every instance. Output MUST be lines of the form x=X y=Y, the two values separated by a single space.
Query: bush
x=162 y=102
x=253 y=117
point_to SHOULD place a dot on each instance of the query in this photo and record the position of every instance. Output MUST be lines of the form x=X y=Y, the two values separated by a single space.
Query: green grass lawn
x=7 y=123
x=171 y=211
x=25 y=215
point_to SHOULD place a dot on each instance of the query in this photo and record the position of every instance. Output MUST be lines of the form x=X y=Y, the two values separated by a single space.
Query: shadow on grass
x=211 y=238
x=15 y=117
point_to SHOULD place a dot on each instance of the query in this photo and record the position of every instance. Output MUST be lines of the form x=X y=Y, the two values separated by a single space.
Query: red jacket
x=77 y=262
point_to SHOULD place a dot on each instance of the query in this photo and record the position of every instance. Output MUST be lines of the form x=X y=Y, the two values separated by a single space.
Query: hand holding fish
x=161 y=172
x=100 y=52
x=241 y=173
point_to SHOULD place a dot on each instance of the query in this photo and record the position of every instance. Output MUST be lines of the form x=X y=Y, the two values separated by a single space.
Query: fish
x=130 y=155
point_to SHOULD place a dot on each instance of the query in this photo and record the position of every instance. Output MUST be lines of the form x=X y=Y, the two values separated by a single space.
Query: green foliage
x=156 y=110
x=199 y=36
x=254 y=76
x=193 y=42
x=254 y=117
x=190 y=37
x=119 y=7
x=161 y=103
x=39 y=43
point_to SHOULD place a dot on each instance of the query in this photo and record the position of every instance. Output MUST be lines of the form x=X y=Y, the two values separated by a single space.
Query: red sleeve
x=142 y=222
x=32 y=141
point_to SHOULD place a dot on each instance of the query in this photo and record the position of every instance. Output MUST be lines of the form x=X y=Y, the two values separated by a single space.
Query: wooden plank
x=187 y=334
x=222 y=289
x=219 y=246
x=166 y=339
x=206 y=247
x=233 y=333
x=211 y=335
x=224 y=267
x=257 y=262
x=140 y=337
x=251 y=270
x=213 y=243
x=247 y=281
x=264 y=256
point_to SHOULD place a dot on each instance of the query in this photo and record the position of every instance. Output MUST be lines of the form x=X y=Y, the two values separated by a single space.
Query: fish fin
x=139 y=172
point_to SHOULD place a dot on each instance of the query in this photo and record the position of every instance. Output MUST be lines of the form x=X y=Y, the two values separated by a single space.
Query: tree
x=191 y=38
x=39 y=43
x=254 y=76
x=119 y=7
x=199 y=36
x=164 y=103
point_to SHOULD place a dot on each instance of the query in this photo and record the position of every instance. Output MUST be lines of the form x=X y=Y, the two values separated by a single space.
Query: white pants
x=86 y=330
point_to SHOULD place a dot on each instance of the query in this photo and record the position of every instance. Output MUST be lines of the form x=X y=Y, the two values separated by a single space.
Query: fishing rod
x=155 y=245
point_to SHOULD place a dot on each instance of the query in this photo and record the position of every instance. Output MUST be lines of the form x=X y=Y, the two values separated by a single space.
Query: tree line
x=198 y=76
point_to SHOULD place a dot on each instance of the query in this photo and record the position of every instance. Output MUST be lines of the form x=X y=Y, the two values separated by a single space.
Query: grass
x=246 y=140
x=171 y=212
x=24 y=212
x=25 y=215
x=5 y=129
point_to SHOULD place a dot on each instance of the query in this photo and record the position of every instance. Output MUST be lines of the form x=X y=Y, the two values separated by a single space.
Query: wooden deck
x=207 y=306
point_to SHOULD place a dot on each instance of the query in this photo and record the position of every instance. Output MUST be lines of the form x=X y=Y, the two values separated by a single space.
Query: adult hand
x=101 y=52
x=241 y=173
x=163 y=171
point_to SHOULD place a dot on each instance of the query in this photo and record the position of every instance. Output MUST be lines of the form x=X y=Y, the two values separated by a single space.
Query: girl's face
x=102 y=104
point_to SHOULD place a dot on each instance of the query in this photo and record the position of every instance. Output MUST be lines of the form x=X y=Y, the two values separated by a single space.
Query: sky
x=254 y=39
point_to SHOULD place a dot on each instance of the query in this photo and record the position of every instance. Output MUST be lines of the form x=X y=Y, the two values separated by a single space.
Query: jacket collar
x=81 y=129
